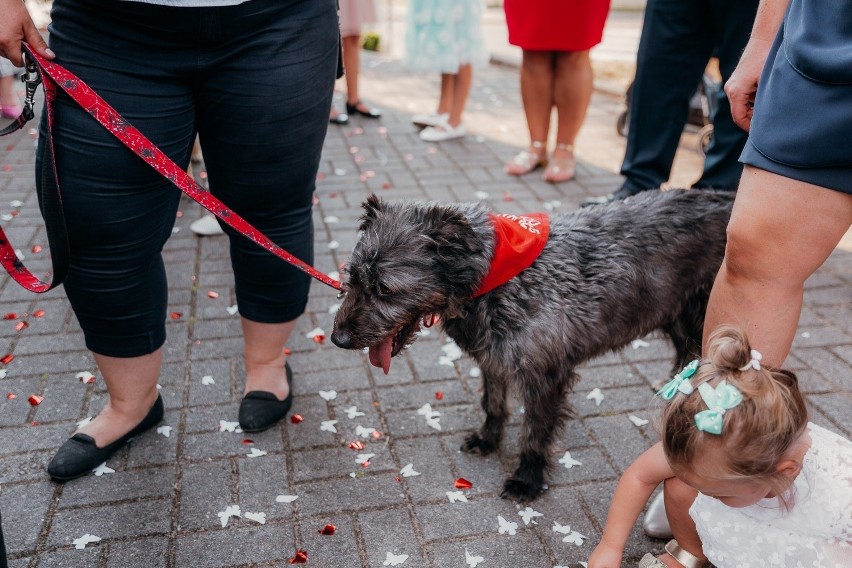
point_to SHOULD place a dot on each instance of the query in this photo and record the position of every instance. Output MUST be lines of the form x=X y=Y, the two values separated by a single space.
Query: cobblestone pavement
x=162 y=506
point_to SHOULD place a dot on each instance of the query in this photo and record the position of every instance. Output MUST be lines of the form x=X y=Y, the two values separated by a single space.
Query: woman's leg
x=445 y=102
x=264 y=356
x=572 y=91
x=781 y=231
x=8 y=97
x=538 y=75
x=461 y=89
x=352 y=66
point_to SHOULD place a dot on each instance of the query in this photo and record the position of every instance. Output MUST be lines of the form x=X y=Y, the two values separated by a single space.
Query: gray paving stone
x=236 y=546
x=22 y=533
x=205 y=490
x=72 y=558
x=348 y=494
x=391 y=531
x=334 y=551
x=146 y=553
x=119 y=486
x=123 y=520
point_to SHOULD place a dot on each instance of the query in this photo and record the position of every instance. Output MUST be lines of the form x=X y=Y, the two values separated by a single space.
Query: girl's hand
x=605 y=556
x=17 y=27
x=741 y=87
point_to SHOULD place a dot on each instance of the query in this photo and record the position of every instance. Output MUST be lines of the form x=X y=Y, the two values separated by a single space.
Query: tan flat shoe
x=562 y=164
x=527 y=160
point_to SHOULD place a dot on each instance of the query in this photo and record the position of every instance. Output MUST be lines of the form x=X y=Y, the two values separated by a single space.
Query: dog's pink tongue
x=380 y=354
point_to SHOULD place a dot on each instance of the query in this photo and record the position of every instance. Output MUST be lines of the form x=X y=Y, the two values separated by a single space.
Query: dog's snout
x=342 y=339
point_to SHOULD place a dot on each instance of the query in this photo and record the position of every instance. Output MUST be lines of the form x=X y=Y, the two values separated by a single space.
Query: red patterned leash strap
x=55 y=75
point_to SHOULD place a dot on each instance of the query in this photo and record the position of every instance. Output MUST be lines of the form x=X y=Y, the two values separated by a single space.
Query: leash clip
x=32 y=79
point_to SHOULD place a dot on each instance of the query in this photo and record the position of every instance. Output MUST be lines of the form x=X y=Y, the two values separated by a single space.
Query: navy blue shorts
x=802 y=119
x=255 y=82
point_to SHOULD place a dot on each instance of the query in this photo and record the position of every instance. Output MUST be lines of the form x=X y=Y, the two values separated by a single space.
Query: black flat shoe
x=340 y=118
x=79 y=455
x=260 y=410
x=369 y=113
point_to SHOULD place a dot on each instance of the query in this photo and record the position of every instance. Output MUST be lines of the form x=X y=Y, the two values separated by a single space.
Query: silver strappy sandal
x=687 y=559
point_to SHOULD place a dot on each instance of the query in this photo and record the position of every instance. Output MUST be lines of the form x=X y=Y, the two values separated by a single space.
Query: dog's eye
x=384 y=290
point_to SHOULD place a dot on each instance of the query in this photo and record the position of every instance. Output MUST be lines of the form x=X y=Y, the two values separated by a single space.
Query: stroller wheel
x=705 y=137
x=621 y=125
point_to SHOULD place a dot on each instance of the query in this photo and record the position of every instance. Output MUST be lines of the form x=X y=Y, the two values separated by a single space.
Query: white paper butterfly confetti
x=102 y=469
x=328 y=426
x=361 y=458
x=207 y=380
x=456 y=496
x=256 y=517
x=232 y=309
x=286 y=498
x=352 y=412
x=472 y=561
x=364 y=432
x=230 y=511
x=408 y=471
x=638 y=343
x=255 y=453
x=85 y=377
x=225 y=426
x=529 y=514
x=394 y=559
x=165 y=431
x=328 y=395
x=568 y=461
x=506 y=527
x=595 y=395
x=637 y=421
x=80 y=543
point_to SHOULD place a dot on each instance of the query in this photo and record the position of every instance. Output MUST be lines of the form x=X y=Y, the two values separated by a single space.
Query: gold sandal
x=560 y=169
x=528 y=160
x=687 y=559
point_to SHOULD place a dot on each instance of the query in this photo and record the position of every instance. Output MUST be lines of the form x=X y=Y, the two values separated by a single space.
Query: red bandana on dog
x=518 y=240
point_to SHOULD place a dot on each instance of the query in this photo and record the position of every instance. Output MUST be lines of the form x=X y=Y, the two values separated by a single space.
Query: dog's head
x=412 y=261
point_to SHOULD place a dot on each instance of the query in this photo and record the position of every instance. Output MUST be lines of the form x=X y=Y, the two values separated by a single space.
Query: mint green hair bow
x=719 y=400
x=680 y=382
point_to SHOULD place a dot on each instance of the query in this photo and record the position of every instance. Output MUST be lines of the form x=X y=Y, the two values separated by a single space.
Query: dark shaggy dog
x=608 y=275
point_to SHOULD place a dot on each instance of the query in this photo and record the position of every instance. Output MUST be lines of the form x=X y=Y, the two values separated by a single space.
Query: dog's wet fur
x=609 y=274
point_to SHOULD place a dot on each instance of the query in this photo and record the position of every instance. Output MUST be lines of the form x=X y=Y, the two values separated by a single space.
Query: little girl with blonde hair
x=748 y=481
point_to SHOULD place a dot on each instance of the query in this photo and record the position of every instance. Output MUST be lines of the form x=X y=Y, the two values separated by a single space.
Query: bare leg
x=572 y=91
x=352 y=65
x=461 y=89
x=780 y=232
x=537 y=80
x=445 y=103
x=679 y=497
x=263 y=345
x=7 y=91
x=132 y=386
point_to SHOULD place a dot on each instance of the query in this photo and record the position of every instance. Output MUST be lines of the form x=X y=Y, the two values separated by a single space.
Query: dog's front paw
x=476 y=444
x=521 y=491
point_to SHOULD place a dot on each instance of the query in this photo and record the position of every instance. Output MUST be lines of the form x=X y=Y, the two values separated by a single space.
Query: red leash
x=56 y=76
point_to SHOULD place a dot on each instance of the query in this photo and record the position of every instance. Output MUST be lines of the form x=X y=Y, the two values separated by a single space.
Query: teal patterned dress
x=442 y=35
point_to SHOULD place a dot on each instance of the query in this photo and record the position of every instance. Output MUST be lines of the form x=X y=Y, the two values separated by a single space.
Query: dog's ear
x=373 y=209
x=455 y=246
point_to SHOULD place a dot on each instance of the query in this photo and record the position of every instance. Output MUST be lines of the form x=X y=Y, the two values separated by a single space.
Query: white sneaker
x=429 y=119
x=207 y=226
x=442 y=132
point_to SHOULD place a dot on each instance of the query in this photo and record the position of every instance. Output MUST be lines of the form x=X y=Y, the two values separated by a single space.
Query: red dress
x=556 y=25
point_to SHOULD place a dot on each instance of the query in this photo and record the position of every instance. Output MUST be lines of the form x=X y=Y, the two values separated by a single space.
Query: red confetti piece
x=363 y=177
x=375 y=434
x=7 y=168
x=360 y=159
x=36 y=248
x=397 y=479
x=319 y=338
x=10 y=316
x=332 y=194
x=296 y=418
x=439 y=395
x=21 y=325
x=356 y=445
x=507 y=196
x=320 y=176
x=35 y=399
x=179 y=214
x=34 y=423
x=10 y=147
x=287 y=351
x=7 y=359
x=202 y=175
x=315 y=200
x=212 y=294
x=248 y=442
x=328 y=530
x=386 y=185
x=365 y=464
x=11 y=396
x=176 y=315
x=301 y=557
x=462 y=483
x=353 y=150
x=38 y=313
x=14 y=213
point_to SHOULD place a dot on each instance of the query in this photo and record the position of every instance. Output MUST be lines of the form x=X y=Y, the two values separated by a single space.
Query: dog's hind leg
x=545 y=410
x=686 y=330
x=494 y=404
